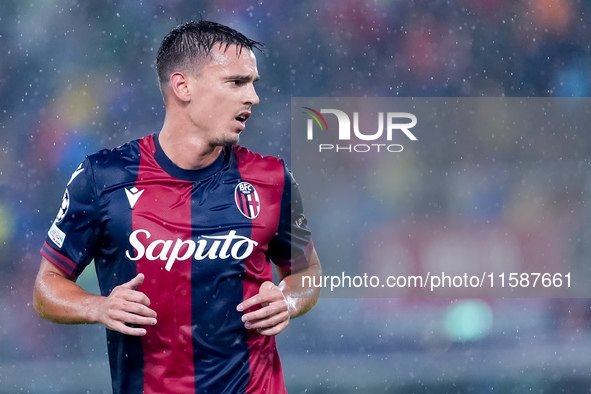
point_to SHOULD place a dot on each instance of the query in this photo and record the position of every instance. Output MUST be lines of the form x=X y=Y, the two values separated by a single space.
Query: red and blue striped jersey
x=204 y=239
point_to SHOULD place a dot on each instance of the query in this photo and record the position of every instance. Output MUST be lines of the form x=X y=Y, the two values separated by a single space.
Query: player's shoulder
x=258 y=167
x=115 y=165
x=109 y=156
x=244 y=155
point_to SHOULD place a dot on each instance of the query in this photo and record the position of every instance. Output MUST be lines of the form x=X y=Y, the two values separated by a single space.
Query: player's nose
x=252 y=98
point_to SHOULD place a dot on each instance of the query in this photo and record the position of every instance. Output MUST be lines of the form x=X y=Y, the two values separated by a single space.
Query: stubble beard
x=227 y=140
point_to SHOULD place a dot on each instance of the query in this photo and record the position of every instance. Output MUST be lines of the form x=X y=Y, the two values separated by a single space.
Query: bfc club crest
x=247 y=200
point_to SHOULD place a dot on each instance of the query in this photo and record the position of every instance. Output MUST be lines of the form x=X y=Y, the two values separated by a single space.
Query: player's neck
x=186 y=149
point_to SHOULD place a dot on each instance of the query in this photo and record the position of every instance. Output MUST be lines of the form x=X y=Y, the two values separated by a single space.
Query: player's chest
x=170 y=209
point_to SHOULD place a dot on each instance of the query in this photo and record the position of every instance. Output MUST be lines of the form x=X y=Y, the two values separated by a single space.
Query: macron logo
x=133 y=195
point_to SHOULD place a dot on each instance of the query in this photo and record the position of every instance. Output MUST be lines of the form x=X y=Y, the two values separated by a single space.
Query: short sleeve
x=292 y=245
x=71 y=240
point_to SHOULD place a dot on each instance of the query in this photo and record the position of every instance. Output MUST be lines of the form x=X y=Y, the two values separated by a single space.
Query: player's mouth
x=241 y=118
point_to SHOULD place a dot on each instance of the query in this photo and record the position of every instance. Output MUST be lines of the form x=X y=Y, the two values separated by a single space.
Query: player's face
x=224 y=95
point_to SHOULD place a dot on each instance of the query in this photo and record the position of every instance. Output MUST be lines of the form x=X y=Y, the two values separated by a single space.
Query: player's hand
x=273 y=315
x=124 y=305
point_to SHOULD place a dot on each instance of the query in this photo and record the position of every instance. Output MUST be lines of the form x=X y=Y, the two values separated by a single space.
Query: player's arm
x=57 y=298
x=284 y=301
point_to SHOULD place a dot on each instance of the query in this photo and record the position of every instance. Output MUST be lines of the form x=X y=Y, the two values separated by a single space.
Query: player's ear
x=179 y=85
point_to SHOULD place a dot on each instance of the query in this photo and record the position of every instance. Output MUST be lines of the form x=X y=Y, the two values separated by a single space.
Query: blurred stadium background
x=79 y=76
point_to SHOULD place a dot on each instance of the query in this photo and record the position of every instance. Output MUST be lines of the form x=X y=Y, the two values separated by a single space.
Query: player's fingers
x=137 y=296
x=114 y=307
x=262 y=313
x=131 y=318
x=138 y=309
x=268 y=293
x=267 y=322
x=266 y=285
x=127 y=330
x=135 y=282
x=271 y=331
x=249 y=303
x=122 y=294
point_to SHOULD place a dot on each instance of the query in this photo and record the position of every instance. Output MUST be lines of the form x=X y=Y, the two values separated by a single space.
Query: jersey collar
x=183 y=174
